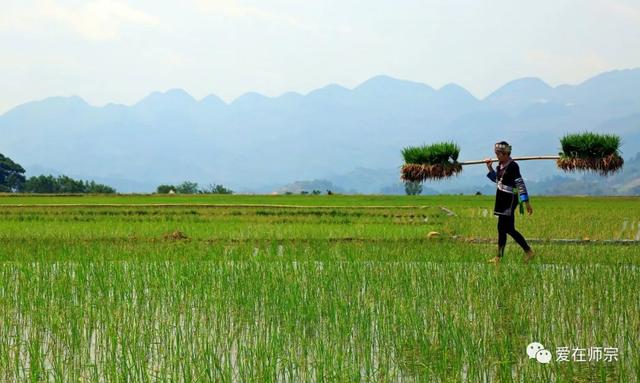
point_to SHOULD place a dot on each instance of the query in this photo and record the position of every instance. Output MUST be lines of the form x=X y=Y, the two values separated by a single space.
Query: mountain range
x=351 y=138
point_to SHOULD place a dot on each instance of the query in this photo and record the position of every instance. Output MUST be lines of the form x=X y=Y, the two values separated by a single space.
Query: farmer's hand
x=489 y=163
x=529 y=208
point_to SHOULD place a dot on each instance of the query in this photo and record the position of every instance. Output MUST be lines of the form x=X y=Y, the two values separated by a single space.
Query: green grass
x=344 y=288
x=213 y=199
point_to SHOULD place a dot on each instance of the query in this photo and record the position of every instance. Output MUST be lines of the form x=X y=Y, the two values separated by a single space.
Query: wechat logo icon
x=536 y=351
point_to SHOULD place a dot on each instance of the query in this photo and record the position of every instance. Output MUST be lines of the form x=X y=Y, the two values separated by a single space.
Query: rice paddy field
x=315 y=288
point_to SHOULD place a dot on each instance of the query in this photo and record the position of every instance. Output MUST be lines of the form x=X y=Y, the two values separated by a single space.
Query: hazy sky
x=119 y=51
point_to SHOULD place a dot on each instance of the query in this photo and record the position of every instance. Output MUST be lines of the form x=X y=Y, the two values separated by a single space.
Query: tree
x=413 y=187
x=94 y=188
x=69 y=185
x=41 y=184
x=11 y=175
x=187 y=187
x=165 y=189
x=63 y=184
x=216 y=189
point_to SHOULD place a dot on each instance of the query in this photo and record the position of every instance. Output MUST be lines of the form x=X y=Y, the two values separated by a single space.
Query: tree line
x=188 y=187
x=13 y=180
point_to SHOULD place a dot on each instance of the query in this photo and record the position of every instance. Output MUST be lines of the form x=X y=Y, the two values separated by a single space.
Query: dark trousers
x=506 y=225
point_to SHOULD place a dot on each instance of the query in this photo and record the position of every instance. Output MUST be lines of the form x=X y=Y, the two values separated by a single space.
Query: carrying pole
x=526 y=158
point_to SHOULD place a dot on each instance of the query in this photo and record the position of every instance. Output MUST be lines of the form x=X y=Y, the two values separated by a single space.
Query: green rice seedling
x=336 y=293
x=440 y=153
x=588 y=144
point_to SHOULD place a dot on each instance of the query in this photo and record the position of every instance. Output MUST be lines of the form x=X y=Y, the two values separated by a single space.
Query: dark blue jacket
x=509 y=182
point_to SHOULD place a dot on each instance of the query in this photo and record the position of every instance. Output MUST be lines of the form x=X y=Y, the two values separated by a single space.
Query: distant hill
x=350 y=137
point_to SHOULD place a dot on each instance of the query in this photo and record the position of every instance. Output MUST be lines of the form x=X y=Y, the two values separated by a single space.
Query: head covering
x=502 y=146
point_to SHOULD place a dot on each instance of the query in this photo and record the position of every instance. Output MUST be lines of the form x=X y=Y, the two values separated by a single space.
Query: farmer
x=510 y=185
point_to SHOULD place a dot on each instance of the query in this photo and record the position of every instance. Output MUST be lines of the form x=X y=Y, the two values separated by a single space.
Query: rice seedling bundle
x=431 y=161
x=598 y=153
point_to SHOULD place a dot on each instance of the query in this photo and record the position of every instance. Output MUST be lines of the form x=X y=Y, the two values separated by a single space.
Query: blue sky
x=120 y=51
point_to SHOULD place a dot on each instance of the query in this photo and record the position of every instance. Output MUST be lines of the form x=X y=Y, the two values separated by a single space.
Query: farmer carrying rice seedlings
x=598 y=153
x=511 y=191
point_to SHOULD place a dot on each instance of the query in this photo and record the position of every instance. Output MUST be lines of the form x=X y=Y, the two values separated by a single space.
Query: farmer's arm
x=492 y=173
x=522 y=190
